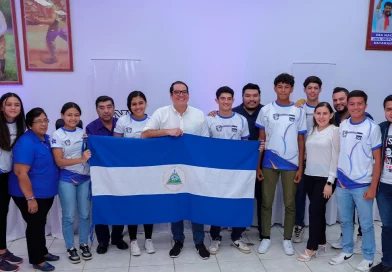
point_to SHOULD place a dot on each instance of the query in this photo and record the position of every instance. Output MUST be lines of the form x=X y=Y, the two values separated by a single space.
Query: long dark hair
x=328 y=106
x=132 y=95
x=5 y=137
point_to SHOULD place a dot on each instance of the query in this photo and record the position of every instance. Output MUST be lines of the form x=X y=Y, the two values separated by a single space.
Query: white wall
x=210 y=43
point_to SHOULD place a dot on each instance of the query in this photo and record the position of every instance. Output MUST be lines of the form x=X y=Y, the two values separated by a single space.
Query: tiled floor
x=228 y=259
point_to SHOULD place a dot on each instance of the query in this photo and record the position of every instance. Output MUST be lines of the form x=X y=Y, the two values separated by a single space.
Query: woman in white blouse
x=322 y=151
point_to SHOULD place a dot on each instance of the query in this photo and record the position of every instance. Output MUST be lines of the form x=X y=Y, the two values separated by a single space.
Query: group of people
x=311 y=148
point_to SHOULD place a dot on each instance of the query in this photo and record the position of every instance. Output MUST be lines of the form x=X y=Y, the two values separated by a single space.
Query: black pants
x=236 y=233
x=4 y=203
x=132 y=229
x=258 y=203
x=314 y=187
x=35 y=231
x=103 y=234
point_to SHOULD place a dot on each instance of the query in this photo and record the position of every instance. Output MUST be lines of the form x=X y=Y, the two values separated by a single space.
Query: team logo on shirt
x=219 y=128
x=53 y=141
x=359 y=136
x=344 y=134
x=128 y=130
x=276 y=116
x=67 y=142
x=234 y=129
x=174 y=178
x=291 y=118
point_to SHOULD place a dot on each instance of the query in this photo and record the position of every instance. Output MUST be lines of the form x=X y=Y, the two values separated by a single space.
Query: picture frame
x=10 y=71
x=47 y=35
x=379 y=32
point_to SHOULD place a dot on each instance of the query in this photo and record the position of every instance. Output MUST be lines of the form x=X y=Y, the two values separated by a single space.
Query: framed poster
x=379 y=33
x=47 y=35
x=10 y=72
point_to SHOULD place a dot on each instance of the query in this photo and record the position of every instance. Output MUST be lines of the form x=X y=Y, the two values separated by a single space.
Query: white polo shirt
x=6 y=156
x=192 y=121
x=130 y=127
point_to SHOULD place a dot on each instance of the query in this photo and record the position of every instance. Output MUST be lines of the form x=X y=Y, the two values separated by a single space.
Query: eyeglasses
x=180 y=92
x=40 y=122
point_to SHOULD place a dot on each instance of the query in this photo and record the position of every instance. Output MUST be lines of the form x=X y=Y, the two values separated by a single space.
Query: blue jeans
x=384 y=202
x=347 y=200
x=300 y=203
x=177 y=229
x=71 y=194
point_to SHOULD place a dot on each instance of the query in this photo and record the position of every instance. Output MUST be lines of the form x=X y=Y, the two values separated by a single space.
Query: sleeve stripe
x=260 y=126
x=302 y=132
x=376 y=147
x=246 y=137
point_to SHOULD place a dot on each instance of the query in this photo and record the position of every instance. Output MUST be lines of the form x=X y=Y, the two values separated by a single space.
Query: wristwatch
x=329 y=183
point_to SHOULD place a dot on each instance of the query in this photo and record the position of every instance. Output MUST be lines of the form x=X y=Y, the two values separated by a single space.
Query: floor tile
x=160 y=268
x=189 y=255
x=113 y=269
x=284 y=265
x=250 y=266
x=358 y=258
x=210 y=267
x=64 y=265
x=112 y=259
x=160 y=257
x=229 y=253
x=320 y=264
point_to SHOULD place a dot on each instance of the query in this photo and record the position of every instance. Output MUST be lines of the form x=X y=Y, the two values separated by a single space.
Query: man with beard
x=384 y=19
x=339 y=98
x=250 y=108
x=104 y=126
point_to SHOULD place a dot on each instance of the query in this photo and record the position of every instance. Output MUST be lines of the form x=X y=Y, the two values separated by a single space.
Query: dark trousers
x=236 y=233
x=103 y=234
x=4 y=203
x=314 y=187
x=384 y=202
x=35 y=231
x=258 y=197
x=300 y=203
x=132 y=229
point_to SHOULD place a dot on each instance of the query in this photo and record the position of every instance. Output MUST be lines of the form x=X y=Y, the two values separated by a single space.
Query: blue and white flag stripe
x=145 y=181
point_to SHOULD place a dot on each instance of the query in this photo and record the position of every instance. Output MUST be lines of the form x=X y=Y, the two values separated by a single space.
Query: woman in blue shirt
x=71 y=156
x=12 y=126
x=33 y=185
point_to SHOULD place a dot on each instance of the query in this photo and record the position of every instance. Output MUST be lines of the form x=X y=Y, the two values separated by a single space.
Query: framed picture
x=10 y=72
x=47 y=35
x=379 y=33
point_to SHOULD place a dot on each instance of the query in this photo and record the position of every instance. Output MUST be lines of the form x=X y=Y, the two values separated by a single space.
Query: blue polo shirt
x=43 y=173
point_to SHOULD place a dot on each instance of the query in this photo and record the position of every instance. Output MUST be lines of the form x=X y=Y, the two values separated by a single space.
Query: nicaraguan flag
x=146 y=181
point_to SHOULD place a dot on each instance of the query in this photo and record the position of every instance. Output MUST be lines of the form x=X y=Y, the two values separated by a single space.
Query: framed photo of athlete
x=10 y=72
x=47 y=35
x=379 y=32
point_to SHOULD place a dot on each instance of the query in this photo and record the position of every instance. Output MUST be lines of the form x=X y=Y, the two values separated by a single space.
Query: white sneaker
x=149 y=246
x=264 y=246
x=288 y=247
x=358 y=245
x=241 y=245
x=135 y=250
x=214 y=247
x=298 y=234
x=338 y=243
x=340 y=258
x=364 y=266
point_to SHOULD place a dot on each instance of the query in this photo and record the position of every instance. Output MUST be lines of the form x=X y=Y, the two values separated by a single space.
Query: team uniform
x=355 y=169
x=282 y=125
x=234 y=127
x=74 y=188
x=130 y=127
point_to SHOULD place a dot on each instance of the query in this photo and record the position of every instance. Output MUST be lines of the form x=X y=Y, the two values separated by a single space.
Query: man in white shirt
x=175 y=120
x=384 y=193
x=360 y=145
x=3 y=49
x=312 y=89
x=229 y=125
x=384 y=19
x=282 y=127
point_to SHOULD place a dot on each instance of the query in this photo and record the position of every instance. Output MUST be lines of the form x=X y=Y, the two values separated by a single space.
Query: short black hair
x=32 y=114
x=132 y=95
x=313 y=79
x=357 y=93
x=284 y=78
x=250 y=86
x=387 y=99
x=224 y=89
x=70 y=105
x=178 y=82
x=389 y=4
x=103 y=98
x=340 y=89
